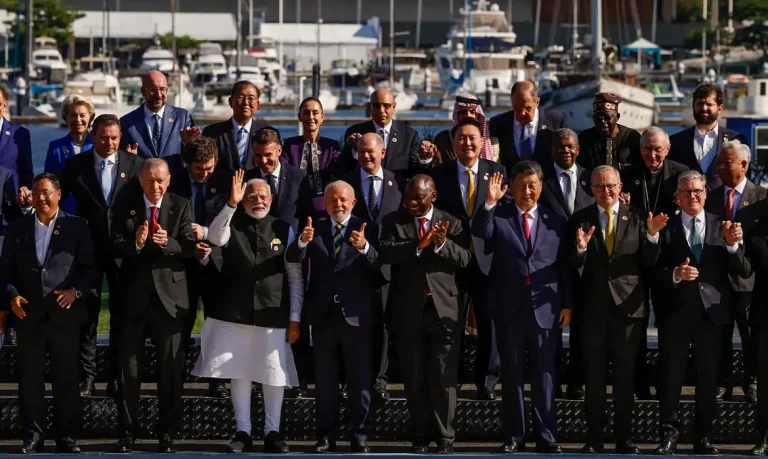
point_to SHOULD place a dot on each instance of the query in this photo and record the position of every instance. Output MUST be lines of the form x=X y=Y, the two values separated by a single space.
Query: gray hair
x=565 y=133
x=526 y=168
x=74 y=100
x=526 y=85
x=605 y=168
x=255 y=181
x=336 y=183
x=741 y=149
x=691 y=175
x=154 y=163
x=653 y=131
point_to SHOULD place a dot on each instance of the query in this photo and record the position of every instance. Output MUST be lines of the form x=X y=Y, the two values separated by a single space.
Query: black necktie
x=200 y=212
x=373 y=201
x=272 y=180
x=156 y=133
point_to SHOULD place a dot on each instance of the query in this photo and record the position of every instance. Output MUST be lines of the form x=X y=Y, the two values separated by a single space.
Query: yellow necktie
x=609 y=233
x=470 y=192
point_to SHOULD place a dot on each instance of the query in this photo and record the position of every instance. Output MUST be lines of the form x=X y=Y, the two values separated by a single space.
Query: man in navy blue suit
x=534 y=299
x=157 y=129
x=15 y=145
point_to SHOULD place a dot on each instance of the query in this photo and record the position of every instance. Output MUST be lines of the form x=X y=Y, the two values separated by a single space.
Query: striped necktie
x=242 y=145
x=337 y=238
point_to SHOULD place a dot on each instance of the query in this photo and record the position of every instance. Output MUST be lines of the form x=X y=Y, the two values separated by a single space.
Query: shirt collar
x=365 y=175
x=109 y=159
x=247 y=126
x=614 y=208
x=474 y=168
x=560 y=170
x=50 y=224
x=534 y=122
x=533 y=213
x=149 y=113
x=428 y=215
x=739 y=187
x=711 y=133
x=345 y=223
x=192 y=180
x=687 y=218
x=276 y=172
x=148 y=204
x=387 y=128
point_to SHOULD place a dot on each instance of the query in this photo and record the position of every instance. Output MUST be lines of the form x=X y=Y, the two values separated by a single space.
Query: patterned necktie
x=729 y=204
x=609 y=232
x=200 y=210
x=337 y=239
x=242 y=145
x=271 y=179
x=609 y=152
x=383 y=135
x=570 y=197
x=696 y=244
x=156 y=133
x=423 y=232
x=153 y=224
x=527 y=234
x=373 y=201
x=106 y=182
x=470 y=192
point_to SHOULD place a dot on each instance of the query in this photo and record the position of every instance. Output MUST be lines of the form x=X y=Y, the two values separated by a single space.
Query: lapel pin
x=746 y=203
x=275 y=248
x=543 y=127
x=56 y=232
x=637 y=182
x=7 y=132
x=394 y=139
x=485 y=177
x=133 y=212
x=170 y=120
x=545 y=216
x=122 y=174
x=66 y=152
x=583 y=183
x=624 y=218
x=213 y=190
x=389 y=183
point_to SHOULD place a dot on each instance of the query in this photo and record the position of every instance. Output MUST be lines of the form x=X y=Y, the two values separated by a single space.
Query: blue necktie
x=106 y=182
x=242 y=145
x=156 y=133
x=526 y=146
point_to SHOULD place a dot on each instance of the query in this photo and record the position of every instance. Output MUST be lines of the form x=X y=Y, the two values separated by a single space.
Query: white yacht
x=344 y=73
x=157 y=58
x=211 y=64
x=97 y=81
x=410 y=67
x=47 y=61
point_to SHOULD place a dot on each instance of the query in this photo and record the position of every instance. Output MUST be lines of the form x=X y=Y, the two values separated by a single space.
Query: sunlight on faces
x=78 y=119
x=467 y=111
x=419 y=197
x=467 y=144
x=202 y=171
x=606 y=187
x=267 y=157
x=45 y=198
x=706 y=110
x=565 y=151
x=730 y=168
x=526 y=190
x=605 y=122
x=691 y=196
x=311 y=116
x=154 y=182
x=654 y=150
x=369 y=152
x=339 y=201
x=382 y=106
x=106 y=139
x=154 y=89
x=524 y=106
x=258 y=200
x=244 y=103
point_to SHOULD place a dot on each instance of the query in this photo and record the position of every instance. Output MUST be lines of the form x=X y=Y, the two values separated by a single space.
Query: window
x=761 y=145
x=762 y=88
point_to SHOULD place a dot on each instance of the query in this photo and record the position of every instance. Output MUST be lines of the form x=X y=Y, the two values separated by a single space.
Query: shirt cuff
x=138 y=249
x=733 y=248
x=302 y=244
x=426 y=161
x=437 y=249
x=418 y=252
x=205 y=233
x=295 y=317
x=580 y=251
x=674 y=279
x=26 y=210
x=487 y=207
x=364 y=250
x=653 y=239
x=354 y=153
x=204 y=261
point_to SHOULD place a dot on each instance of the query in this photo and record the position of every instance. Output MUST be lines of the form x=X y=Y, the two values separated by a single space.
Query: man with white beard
x=249 y=330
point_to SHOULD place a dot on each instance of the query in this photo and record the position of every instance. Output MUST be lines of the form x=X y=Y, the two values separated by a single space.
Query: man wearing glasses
x=614 y=245
x=156 y=129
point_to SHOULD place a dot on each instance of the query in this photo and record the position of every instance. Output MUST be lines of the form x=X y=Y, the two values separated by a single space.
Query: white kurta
x=237 y=351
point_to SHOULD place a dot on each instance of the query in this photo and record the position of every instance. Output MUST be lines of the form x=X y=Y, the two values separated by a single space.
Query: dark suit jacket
x=634 y=182
x=503 y=127
x=346 y=282
x=293 y=201
x=135 y=130
x=68 y=264
x=681 y=150
x=217 y=191
x=224 y=134
x=412 y=274
x=552 y=195
x=16 y=153
x=592 y=148
x=615 y=280
x=165 y=265
x=402 y=150
x=712 y=288
x=79 y=180
x=9 y=208
x=546 y=262
x=756 y=245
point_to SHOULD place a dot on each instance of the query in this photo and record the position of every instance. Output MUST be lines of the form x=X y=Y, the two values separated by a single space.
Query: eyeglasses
x=250 y=99
x=607 y=186
x=381 y=105
x=44 y=194
x=154 y=90
x=688 y=193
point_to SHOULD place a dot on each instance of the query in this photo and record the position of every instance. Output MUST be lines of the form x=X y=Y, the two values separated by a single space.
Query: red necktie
x=527 y=234
x=729 y=204
x=423 y=232
x=153 y=225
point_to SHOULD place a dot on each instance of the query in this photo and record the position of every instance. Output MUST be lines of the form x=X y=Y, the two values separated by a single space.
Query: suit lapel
x=167 y=127
x=749 y=196
x=481 y=184
x=391 y=143
x=6 y=134
x=678 y=236
x=327 y=230
x=718 y=201
x=283 y=185
x=122 y=177
x=90 y=179
x=140 y=127
x=622 y=221
x=389 y=201
x=166 y=213
x=517 y=227
x=30 y=237
x=598 y=234
x=453 y=182
x=554 y=186
x=356 y=183
x=667 y=175
x=56 y=238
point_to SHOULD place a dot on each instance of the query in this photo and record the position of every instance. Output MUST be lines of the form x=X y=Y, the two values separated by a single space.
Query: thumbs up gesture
x=141 y=234
x=357 y=238
x=686 y=272
x=308 y=233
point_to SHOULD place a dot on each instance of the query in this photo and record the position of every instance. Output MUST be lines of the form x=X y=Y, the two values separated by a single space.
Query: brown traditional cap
x=606 y=102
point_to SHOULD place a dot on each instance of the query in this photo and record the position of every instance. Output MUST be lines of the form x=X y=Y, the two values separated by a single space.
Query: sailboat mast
x=597 y=36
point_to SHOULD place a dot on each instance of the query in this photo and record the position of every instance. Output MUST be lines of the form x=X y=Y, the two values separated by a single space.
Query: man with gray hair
x=249 y=329
x=737 y=200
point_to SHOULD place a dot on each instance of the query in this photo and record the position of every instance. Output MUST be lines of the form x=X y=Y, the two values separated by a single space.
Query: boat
x=751 y=120
x=481 y=52
x=211 y=64
x=404 y=100
x=344 y=73
x=98 y=81
x=48 y=64
x=410 y=67
x=159 y=59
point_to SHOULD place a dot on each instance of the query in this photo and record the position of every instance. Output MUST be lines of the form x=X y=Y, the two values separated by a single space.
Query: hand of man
x=440 y=233
x=732 y=233
x=160 y=237
x=427 y=150
x=686 y=272
x=625 y=198
x=308 y=233
x=352 y=140
x=427 y=239
x=237 y=192
x=292 y=333
x=190 y=133
x=496 y=190
x=202 y=250
x=565 y=317
x=65 y=298
x=199 y=231
x=357 y=238
x=582 y=238
x=657 y=223
x=141 y=234
x=24 y=198
x=132 y=149
x=16 y=303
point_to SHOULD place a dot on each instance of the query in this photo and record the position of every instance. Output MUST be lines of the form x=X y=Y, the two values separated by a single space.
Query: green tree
x=185 y=41
x=50 y=19
x=753 y=37
x=693 y=39
x=748 y=9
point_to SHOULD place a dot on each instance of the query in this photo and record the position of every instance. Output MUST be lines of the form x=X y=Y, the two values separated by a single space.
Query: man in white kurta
x=249 y=330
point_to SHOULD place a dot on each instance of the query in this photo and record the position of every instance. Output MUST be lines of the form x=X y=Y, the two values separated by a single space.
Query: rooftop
x=144 y=25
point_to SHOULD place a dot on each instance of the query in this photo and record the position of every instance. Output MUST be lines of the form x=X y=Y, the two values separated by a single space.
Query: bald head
x=382 y=106
x=339 y=199
x=419 y=195
x=154 y=89
x=525 y=101
x=370 y=150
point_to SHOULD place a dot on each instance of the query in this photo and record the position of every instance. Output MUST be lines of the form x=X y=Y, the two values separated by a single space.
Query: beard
x=339 y=214
x=258 y=214
x=701 y=118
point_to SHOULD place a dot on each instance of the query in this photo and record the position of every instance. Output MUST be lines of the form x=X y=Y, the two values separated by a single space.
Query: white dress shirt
x=736 y=196
x=75 y=148
x=561 y=180
x=365 y=182
x=464 y=181
x=43 y=237
x=147 y=206
x=530 y=130
x=219 y=234
x=533 y=217
x=344 y=225
x=705 y=146
x=427 y=227
x=276 y=174
x=615 y=219
x=149 y=119
x=111 y=166
x=701 y=221
x=377 y=130
x=247 y=134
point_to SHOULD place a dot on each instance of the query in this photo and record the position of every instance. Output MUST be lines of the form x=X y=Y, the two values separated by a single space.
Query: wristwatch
x=78 y=294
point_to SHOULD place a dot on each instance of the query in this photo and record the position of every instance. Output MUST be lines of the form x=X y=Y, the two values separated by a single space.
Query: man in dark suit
x=47 y=268
x=462 y=186
x=697 y=147
x=624 y=245
x=608 y=142
x=152 y=234
x=405 y=156
x=97 y=179
x=235 y=135
x=379 y=193
x=205 y=186
x=342 y=309
x=10 y=201
x=737 y=200
x=529 y=251
x=525 y=132
x=15 y=145
x=566 y=190
x=427 y=248
x=650 y=186
x=156 y=129
x=698 y=254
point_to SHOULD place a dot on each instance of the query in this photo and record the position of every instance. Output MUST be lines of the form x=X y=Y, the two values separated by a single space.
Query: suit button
x=702 y=287
x=43 y=269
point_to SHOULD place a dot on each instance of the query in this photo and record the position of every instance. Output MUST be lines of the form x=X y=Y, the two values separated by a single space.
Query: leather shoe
x=667 y=447
x=125 y=445
x=113 y=389
x=359 y=446
x=627 y=448
x=274 y=444
x=381 y=394
x=548 y=448
x=444 y=447
x=761 y=449
x=486 y=394
x=32 y=447
x=324 y=445
x=703 y=446
x=419 y=449
x=592 y=449
x=750 y=393
x=67 y=448
x=218 y=389
x=241 y=443
x=86 y=387
x=575 y=393
x=720 y=394
x=166 y=445
x=512 y=447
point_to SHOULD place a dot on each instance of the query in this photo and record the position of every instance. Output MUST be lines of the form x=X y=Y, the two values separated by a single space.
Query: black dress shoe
x=760 y=449
x=703 y=446
x=300 y=392
x=274 y=444
x=667 y=447
x=258 y=392
x=241 y=443
x=512 y=447
x=627 y=448
x=592 y=449
x=575 y=393
x=750 y=393
x=444 y=447
x=166 y=446
x=486 y=394
x=359 y=446
x=720 y=394
x=125 y=445
x=344 y=393
x=32 y=447
x=113 y=389
x=218 y=389
x=419 y=449
x=67 y=448
x=381 y=394
x=324 y=445
x=86 y=388
x=548 y=448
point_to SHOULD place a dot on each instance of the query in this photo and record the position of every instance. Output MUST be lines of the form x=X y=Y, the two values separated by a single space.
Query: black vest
x=254 y=288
